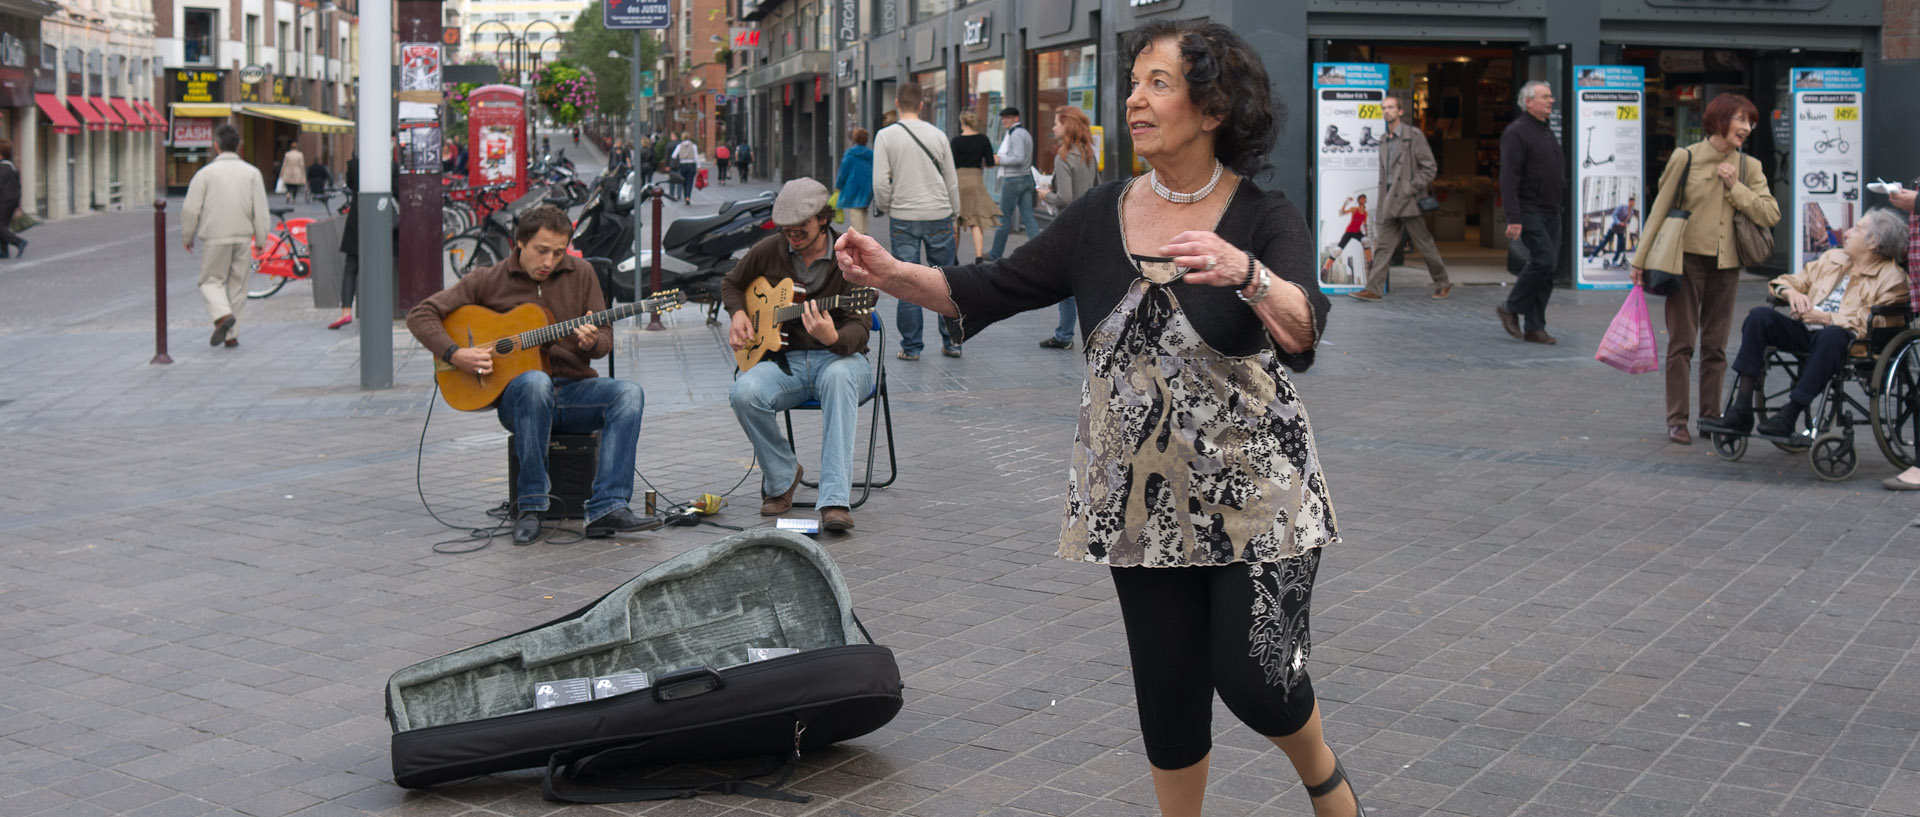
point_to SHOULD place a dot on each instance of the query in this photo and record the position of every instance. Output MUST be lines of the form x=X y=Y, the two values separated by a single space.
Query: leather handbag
x=1427 y=203
x=1666 y=257
x=1752 y=243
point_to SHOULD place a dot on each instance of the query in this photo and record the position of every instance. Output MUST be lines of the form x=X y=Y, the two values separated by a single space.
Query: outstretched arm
x=865 y=263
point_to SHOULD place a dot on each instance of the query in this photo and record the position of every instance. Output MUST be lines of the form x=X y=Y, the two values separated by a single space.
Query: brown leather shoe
x=1540 y=336
x=1442 y=293
x=1364 y=295
x=777 y=505
x=1678 y=434
x=1509 y=322
x=836 y=519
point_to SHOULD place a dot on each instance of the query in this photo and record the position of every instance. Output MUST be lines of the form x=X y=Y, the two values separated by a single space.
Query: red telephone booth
x=497 y=137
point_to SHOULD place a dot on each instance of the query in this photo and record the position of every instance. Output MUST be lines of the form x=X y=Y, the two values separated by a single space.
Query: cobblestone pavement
x=1540 y=606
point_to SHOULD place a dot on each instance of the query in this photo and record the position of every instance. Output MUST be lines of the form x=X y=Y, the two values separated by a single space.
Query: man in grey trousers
x=1406 y=170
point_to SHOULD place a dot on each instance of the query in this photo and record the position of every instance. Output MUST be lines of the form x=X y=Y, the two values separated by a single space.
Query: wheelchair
x=1884 y=367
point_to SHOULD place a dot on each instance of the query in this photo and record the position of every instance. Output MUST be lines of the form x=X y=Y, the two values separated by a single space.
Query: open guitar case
x=688 y=623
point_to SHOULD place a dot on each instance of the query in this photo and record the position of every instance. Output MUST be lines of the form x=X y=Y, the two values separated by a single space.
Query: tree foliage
x=587 y=46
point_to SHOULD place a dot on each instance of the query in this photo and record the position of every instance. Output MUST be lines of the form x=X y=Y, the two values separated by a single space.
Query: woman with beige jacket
x=1722 y=180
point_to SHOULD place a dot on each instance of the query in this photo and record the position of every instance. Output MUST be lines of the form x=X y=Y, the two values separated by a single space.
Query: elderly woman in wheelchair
x=1830 y=305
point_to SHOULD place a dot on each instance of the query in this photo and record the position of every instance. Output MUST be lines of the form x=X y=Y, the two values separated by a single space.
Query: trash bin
x=328 y=262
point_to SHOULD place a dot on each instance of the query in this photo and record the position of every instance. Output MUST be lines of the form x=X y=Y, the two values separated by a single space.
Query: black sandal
x=1333 y=782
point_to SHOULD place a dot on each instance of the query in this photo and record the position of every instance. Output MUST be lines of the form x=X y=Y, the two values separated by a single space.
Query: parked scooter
x=697 y=251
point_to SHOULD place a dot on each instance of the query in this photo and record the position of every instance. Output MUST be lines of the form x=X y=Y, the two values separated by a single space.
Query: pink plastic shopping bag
x=1629 y=344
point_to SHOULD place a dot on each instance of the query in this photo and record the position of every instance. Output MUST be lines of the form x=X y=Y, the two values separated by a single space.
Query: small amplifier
x=571 y=461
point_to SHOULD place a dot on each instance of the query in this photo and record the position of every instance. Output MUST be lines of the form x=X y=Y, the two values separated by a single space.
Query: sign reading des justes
x=636 y=14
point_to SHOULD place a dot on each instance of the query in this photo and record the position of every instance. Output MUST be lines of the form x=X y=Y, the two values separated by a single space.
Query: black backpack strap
x=606 y=776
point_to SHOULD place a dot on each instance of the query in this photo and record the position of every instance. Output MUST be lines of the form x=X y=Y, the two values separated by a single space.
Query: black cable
x=484 y=536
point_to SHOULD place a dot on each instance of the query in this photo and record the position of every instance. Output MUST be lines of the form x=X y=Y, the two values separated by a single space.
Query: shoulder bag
x=1752 y=243
x=1666 y=258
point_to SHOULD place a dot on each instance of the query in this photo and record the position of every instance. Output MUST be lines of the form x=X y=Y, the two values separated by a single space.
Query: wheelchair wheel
x=1895 y=409
x=1833 y=457
x=1730 y=447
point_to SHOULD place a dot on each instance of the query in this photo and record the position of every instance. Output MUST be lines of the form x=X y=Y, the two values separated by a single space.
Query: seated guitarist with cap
x=824 y=355
x=572 y=398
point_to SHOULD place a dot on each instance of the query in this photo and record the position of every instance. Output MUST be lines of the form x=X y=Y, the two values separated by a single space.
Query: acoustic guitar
x=518 y=338
x=768 y=306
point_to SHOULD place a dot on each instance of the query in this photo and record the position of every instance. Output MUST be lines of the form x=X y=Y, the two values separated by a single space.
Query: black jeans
x=1825 y=350
x=1540 y=230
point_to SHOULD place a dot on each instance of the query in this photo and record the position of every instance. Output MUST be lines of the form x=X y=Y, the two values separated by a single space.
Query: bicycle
x=284 y=258
x=1833 y=140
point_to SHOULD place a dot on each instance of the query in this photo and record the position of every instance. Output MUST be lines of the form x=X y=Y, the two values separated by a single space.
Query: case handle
x=686 y=682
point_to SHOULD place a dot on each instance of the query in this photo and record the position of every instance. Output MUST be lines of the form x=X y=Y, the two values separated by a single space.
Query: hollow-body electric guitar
x=768 y=306
x=518 y=338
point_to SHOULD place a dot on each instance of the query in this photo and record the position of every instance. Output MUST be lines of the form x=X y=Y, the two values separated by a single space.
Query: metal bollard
x=160 y=283
x=658 y=194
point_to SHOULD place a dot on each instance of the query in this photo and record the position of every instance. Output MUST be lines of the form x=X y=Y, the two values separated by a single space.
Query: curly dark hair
x=543 y=217
x=1225 y=78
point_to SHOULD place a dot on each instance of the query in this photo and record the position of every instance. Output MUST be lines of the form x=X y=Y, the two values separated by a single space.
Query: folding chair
x=882 y=412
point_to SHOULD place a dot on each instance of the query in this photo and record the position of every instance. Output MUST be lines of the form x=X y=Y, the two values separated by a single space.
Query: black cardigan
x=1083 y=254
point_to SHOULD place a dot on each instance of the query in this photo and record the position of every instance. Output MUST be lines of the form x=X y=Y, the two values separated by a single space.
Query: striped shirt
x=1913 y=261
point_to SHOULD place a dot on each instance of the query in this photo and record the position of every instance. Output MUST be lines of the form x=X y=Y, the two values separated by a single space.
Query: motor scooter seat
x=685 y=228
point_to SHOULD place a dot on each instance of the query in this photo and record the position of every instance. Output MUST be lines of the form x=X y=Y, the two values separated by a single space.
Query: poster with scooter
x=1347 y=124
x=1609 y=174
x=1827 y=107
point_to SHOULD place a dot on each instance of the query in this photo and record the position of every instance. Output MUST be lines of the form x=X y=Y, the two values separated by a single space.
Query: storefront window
x=935 y=85
x=928 y=9
x=1061 y=78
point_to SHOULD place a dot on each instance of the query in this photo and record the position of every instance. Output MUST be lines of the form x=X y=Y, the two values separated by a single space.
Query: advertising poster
x=419 y=81
x=420 y=147
x=1347 y=127
x=1827 y=105
x=1608 y=175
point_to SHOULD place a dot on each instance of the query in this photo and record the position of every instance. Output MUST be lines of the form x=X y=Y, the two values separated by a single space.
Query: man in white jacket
x=915 y=184
x=227 y=210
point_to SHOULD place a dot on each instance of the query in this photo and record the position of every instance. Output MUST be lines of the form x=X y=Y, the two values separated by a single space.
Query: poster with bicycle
x=1347 y=124
x=1827 y=129
x=1608 y=176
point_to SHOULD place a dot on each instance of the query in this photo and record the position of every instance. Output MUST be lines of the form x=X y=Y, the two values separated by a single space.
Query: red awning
x=132 y=117
x=84 y=107
x=154 y=120
x=106 y=112
x=56 y=113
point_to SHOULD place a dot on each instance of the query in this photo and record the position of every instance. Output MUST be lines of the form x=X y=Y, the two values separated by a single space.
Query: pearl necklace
x=1187 y=198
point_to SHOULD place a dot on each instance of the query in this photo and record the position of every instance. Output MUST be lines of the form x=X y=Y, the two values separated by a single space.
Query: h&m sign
x=979 y=31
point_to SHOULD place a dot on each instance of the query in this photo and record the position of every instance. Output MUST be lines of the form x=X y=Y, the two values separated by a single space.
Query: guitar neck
x=787 y=313
x=552 y=332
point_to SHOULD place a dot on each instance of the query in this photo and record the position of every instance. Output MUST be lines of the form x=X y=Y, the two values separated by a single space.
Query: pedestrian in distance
x=1719 y=180
x=721 y=158
x=318 y=179
x=1197 y=485
x=226 y=213
x=1406 y=175
x=1075 y=171
x=1533 y=184
x=568 y=396
x=10 y=197
x=854 y=181
x=293 y=172
x=915 y=184
x=686 y=159
x=1015 y=160
x=825 y=356
x=1903 y=198
x=743 y=156
x=972 y=155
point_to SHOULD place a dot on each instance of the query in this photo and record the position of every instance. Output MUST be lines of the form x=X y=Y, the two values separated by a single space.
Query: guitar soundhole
x=503 y=346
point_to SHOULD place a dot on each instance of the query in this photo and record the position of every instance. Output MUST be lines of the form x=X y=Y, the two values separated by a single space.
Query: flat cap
x=799 y=200
x=1010 y=111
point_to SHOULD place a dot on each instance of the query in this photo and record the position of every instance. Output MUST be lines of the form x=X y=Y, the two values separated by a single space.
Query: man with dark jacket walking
x=1406 y=170
x=9 y=201
x=1533 y=184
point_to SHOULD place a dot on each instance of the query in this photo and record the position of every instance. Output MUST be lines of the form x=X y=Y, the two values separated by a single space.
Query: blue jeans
x=1016 y=198
x=764 y=391
x=907 y=238
x=688 y=171
x=535 y=404
x=1069 y=311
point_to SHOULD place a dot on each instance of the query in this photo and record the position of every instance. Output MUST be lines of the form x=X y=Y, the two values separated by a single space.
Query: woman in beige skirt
x=972 y=152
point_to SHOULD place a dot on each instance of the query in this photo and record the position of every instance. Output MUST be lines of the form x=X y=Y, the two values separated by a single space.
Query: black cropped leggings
x=1238 y=629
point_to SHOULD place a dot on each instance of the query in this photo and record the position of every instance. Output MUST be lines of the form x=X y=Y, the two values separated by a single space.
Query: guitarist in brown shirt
x=822 y=355
x=570 y=397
